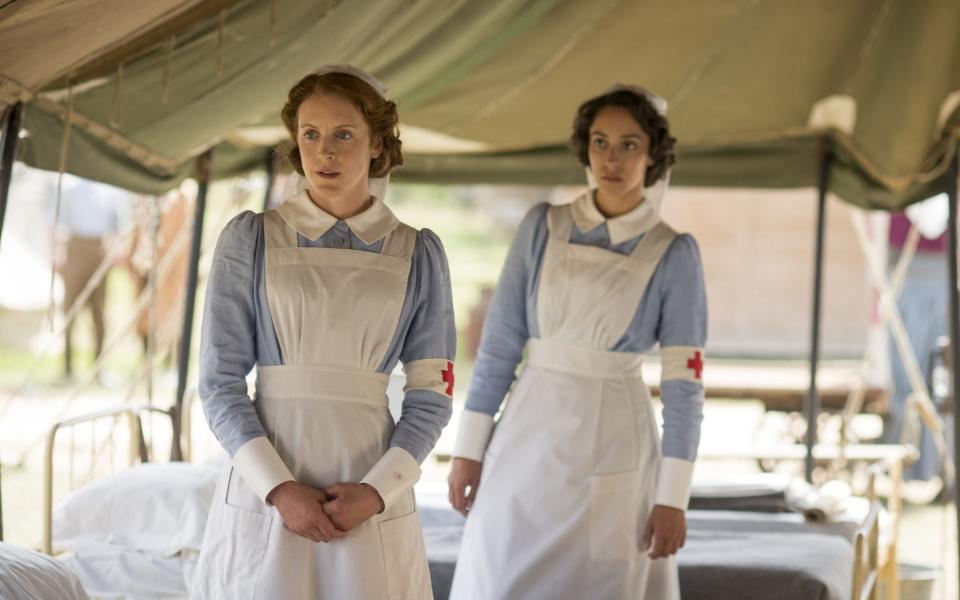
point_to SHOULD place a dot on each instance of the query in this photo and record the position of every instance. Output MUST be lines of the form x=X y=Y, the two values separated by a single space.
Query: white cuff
x=474 y=433
x=261 y=467
x=674 y=482
x=395 y=472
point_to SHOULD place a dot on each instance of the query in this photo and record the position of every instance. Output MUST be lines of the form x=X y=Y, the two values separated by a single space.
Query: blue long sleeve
x=511 y=319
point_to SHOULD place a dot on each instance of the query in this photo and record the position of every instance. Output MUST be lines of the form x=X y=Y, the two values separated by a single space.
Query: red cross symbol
x=448 y=377
x=696 y=363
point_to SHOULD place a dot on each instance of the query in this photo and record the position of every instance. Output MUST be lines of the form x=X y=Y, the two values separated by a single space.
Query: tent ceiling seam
x=12 y=91
x=938 y=158
x=110 y=137
x=933 y=166
x=261 y=62
x=118 y=44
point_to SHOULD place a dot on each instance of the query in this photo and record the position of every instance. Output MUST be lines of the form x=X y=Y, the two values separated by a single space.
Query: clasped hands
x=328 y=514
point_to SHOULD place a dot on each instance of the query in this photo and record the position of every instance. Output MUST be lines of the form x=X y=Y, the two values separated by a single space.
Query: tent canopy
x=487 y=90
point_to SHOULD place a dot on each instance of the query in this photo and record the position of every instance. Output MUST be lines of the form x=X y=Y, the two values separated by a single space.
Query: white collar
x=311 y=221
x=629 y=225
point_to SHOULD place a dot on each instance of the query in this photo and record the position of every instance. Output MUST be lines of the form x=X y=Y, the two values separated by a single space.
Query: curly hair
x=379 y=113
x=662 y=146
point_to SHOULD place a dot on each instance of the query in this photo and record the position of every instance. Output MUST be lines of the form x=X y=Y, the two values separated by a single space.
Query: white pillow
x=29 y=575
x=160 y=508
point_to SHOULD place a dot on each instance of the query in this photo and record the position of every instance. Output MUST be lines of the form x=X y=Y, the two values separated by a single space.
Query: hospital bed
x=729 y=555
x=137 y=533
x=885 y=462
x=783 y=385
x=124 y=520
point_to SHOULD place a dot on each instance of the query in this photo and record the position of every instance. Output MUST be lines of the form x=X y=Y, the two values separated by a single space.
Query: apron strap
x=276 y=232
x=400 y=242
x=560 y=222
x=650 y=250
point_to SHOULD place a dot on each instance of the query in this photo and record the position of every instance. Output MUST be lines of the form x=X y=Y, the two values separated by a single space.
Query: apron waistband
x=583 y=361
x=322 y=383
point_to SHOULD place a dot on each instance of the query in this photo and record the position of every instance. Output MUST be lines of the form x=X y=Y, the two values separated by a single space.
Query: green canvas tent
x=751 y=84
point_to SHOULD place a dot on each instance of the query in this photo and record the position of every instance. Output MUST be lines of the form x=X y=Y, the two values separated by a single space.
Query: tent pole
x=812 y=408
x=271 y=164
x=953 y=173
x=11 y=132
x=183 y=356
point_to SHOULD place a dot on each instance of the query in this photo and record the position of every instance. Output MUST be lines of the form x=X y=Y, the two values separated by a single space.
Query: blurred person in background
x=90 y=219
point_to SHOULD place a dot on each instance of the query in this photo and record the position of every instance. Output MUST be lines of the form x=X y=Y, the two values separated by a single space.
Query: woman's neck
x=341 y=207
x=614 y=206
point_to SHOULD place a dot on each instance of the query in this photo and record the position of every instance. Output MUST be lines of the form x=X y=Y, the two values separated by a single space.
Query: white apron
x=325 y=410
x=568 y=478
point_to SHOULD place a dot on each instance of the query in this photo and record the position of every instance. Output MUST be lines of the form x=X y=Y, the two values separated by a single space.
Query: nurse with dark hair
x=573 y=494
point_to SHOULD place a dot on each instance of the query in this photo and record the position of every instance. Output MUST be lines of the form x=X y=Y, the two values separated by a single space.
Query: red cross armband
x=434 y=374
x=681 y=363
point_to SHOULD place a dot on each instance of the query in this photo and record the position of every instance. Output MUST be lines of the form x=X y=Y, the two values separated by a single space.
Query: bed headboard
x=866 y=545
x=83 y=448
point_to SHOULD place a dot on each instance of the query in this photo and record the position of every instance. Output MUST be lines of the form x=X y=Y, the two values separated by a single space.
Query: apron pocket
x=234 y=545
x=613 y=516
x=515 y=400
x=404 y=555
x=617 y=442
x=240 y=496
x=487 y=465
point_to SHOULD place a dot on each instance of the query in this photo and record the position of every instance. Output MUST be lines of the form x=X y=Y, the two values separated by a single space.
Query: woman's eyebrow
x=345 y=125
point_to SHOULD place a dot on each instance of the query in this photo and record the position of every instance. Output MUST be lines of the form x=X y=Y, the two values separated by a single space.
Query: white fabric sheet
x=116 y=573
x=29 y=575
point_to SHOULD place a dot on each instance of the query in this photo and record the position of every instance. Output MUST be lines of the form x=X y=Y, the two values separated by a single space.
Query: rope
x=68 y=319
x=920 y=398
x=273 y=23
x=165 y=73
x=112 y=344
x=116 y=108
x=61 y=168
x=146 y=371
x=221 y=25
x=151 y=288
x=855 y=399
x=163 y=270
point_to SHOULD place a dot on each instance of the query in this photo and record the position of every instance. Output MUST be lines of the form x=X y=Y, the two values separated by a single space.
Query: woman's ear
x=376 y=149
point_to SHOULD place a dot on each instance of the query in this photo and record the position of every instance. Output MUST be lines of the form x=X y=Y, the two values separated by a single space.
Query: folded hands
x=327 y=514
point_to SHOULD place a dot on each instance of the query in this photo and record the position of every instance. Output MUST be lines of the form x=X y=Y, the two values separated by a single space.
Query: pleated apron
x=568 y=477
x=325 y=410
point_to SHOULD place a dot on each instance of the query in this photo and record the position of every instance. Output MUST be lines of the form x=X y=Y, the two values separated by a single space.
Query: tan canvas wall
x=758 y=250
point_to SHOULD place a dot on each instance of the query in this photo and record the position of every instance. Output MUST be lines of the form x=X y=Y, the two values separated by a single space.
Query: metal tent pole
x=954 y=317
x=183 y=356
x=271 y=165
x=812 y=408
x=11 y=132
